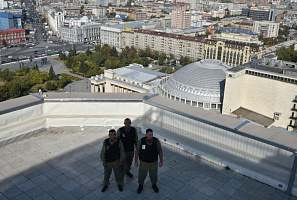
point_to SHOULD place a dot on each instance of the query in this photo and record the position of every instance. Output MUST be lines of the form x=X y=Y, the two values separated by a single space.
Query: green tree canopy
x=52 y=74
x=287 y=54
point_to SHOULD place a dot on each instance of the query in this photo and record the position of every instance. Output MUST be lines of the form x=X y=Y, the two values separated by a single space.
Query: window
x=276 y=116
x=213 y=106
x=200 y=104
x=206 y=105
x=194 y=103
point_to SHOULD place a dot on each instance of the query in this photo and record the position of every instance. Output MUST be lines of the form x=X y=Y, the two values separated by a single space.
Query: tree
x=114 y=52
x=50 y=85
x=43 y=20
x=69 y=62
x=4 y=43
x=218 y=31
x=128 y=19
x=81 y=10
x=83 y=67
x=6 y=75
x=62 y=55
x=167 y=69
x=162 y=58
x=185 y=60
x=15 y=89
x=171 y=56
x=52 y=75
x=88 y=52
x=35 y=67
x=287 y=54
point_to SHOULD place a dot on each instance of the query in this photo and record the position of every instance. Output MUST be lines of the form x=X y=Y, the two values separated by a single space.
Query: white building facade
x=55 y=19
x=267 y=28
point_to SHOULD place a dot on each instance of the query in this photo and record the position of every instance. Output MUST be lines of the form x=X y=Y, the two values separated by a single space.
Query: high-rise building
x=10 y=21
x=181 y=15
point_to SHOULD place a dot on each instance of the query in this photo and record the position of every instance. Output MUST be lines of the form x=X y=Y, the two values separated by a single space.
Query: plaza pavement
x=66 y=165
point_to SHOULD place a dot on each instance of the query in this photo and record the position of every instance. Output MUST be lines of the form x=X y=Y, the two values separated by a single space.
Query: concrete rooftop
x=66 y=165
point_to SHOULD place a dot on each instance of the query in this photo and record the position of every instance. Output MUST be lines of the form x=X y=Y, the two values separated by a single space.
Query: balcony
x=63 y=161
x=293 y=117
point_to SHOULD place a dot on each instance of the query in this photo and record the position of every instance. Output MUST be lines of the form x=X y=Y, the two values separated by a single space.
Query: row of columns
x=97 y=88
x=119 y=89
x=167 y=95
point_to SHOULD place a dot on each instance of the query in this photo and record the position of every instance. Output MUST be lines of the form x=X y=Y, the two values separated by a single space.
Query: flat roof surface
x=66 y=165
x=228 y=121
x=253 y=116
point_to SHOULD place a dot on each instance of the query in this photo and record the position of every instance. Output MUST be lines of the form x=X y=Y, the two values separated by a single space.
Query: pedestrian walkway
x=66 y=165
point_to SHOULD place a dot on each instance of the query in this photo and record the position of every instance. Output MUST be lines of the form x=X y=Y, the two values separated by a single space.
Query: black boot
x=104 y=188
x=120 y=188
x=129 y=174
x=139 y=188
x=156 y=189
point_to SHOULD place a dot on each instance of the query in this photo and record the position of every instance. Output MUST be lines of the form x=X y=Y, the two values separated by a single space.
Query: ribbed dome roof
x=203 y=81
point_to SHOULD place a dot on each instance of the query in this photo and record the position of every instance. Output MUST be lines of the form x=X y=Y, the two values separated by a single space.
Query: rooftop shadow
x=66 y=165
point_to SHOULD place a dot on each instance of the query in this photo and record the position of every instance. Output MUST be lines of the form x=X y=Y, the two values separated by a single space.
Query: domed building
x=200 y=84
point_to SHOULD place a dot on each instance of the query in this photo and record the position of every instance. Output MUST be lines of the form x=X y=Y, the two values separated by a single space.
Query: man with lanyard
x=129 y=137
x=148 y=149
x=112 y=156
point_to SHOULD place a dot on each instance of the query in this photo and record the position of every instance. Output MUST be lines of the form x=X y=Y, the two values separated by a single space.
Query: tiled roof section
x=171 y=35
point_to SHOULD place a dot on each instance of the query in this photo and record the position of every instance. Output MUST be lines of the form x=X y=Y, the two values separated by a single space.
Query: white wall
x=223 y=146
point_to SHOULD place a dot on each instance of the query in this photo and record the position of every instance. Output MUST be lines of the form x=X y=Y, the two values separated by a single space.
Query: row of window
x=192 y=103
x=274 y=77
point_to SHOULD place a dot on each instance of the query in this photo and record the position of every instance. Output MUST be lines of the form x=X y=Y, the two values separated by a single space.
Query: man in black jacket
x=112 y=156
x=129 y=137
x=148 y=149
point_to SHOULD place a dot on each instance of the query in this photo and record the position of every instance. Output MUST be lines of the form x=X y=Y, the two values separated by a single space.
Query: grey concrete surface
x=66 y=165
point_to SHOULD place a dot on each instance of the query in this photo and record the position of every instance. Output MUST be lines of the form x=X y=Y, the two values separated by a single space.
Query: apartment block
x=266 y=28
x=178 y=45
x=181 y=15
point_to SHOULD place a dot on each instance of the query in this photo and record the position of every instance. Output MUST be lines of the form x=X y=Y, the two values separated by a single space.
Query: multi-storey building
x=12 y=36
x=55 y=19
x=181 y=15
x=112 y=35
x=266 y=28
x=10 y=21
x=138 y=15
x=85 y=33
x=244 y=25
x=99 y=11
x=263 y=91
x=233 y=49
x=256 y=14
x=178 y=45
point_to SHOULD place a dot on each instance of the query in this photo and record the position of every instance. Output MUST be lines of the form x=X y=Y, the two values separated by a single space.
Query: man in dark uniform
x=112 y=156
x=129 y=137
x=148 y=149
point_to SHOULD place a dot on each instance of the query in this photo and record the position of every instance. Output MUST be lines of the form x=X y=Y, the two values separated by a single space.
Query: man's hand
x=104 y=164
x=160 y=164
x=136 y=163
x=120 y=164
